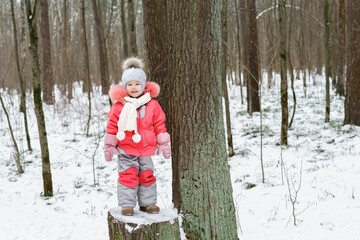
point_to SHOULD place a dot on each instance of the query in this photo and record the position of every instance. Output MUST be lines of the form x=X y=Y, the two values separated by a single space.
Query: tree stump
x=144 y=226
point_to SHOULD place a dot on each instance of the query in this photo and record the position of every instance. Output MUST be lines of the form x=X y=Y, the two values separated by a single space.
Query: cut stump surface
x=163 y=225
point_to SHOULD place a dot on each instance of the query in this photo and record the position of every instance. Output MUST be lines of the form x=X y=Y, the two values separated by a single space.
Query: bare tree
x=101 y=49
x=239 y=50
x=341 y=61
x=45 y=155
x=283 y=72
x=352 y=98
x=155 y=22
x=48 y=80
x=254 y=76
x=196 y=122
x=123 y=30
x=132 y=25
x=86 y=64
x=244 y=39
x=66 y=50
x=224 y=49
x=22 y=88
x=17 y=152
x=327 y=59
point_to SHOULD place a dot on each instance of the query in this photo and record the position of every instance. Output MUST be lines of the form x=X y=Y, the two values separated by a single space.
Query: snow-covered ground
x=321 y=162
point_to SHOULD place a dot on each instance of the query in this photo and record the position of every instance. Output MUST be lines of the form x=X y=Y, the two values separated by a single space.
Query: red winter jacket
x=148 y=127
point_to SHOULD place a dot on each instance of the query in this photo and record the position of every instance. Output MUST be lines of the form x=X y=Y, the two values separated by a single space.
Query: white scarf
x=127 y=118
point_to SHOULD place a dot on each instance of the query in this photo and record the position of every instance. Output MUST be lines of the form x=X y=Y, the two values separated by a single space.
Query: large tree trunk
x=132 y=25
x=155 y=22
x=101 y=49
x=352 y=98
x=48 y=80
x=22 y=88
x=253 y=80
x=327 y=59
x=196 y=119
x=341 y=61
x=162 y=226
x=45 y=156
x=283 y=73
x=224 y=64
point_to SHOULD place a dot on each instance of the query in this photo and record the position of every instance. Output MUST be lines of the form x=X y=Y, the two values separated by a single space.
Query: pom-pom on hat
x=133 y=70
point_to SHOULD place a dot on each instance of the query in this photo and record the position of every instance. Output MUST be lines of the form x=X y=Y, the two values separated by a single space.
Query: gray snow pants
x=136 y=181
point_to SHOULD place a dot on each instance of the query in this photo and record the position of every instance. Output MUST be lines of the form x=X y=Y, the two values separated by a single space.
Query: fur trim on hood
x=118 y=92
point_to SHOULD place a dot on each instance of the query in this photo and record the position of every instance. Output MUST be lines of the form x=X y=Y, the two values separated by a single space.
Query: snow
x=321 y=162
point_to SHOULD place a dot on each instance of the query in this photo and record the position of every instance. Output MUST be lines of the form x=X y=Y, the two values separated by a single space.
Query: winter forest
x=262 y=104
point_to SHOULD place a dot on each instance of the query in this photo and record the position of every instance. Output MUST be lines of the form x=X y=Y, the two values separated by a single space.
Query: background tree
x=341 y=61
x=86 y=64
x=155 y=22
x=244 y=38
x=283 y=72
x=16 y=148
x=48 y=81
x=125 y=44
x=132 y=25
x=327 y=58
x=101 y=48
x=254 y=71
x=196 y=123
x=45 y=155
x=352 y=98
x=224 y=63
x=22 y=87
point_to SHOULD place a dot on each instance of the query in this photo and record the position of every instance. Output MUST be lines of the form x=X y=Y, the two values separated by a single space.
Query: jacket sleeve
x=113 y=116
x=159 y=119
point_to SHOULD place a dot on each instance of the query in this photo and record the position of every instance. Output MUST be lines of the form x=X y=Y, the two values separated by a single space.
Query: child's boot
x=127 y=211
x=151 y=209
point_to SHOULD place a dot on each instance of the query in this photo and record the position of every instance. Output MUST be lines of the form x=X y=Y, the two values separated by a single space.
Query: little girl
x=136 y=131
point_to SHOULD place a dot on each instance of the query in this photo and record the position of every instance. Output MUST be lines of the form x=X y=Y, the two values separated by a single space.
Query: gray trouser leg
x=147 y=194
x=128 y=185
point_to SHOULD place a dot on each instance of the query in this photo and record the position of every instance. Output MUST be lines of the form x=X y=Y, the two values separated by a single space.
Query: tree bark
x=283 y=73
x=352 y=98
x=123 y=30
x=86 y=64
x=132 y=25
x=101 y=49
x=196 y=118
x=156 y=227
x=253 y=81
x=21 y=80
x=66 y=52
x=224 y=61
x=239 y=51
x=244 y=38
x=327 y=59
x=45 y=156
x=155 y=22
x=341 y=60
x=17 y=152
x=48 y=80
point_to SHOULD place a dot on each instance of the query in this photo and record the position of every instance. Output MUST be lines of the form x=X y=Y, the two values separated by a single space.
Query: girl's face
x=134 y=88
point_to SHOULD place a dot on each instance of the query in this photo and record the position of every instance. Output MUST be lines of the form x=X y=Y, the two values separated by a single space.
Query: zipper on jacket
x=140 y=131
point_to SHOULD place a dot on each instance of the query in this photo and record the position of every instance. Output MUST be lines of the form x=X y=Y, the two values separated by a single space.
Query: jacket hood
x=118 y=92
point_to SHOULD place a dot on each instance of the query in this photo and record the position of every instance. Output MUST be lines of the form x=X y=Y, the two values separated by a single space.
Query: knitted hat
x=133 y=71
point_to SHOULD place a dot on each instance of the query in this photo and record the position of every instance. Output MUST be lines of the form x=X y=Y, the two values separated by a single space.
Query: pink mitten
x=110 y=142
x=163 y=140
